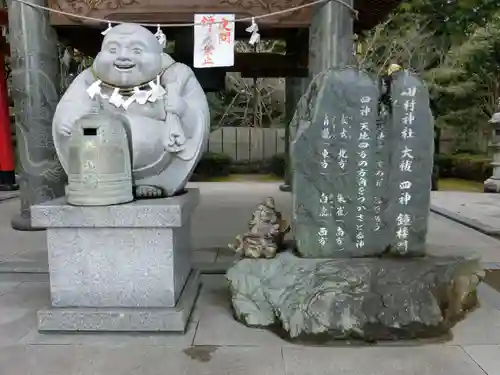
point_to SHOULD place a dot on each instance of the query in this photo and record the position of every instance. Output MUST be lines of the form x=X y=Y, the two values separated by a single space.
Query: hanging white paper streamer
x=157 y=91
x=254 y=29
x=141 y=96
x=107 y=30
x=94 y=89
x=162 y=39
x=116 y=98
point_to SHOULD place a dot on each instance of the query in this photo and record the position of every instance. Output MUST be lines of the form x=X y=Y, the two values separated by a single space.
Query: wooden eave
x=371 y=12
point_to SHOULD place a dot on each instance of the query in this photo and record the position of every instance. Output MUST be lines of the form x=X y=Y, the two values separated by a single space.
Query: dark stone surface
x=368 y=299
x=334 y=161
x=362 y=169
x=411 y=135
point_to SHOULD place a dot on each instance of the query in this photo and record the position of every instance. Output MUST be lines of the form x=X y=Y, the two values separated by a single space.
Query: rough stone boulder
x=369 y=299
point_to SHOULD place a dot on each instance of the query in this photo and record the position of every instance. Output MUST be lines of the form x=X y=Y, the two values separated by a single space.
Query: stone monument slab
x=130 y=259
x=334 y=162
x=411 y=134
x=361 y=191
x=362 y=166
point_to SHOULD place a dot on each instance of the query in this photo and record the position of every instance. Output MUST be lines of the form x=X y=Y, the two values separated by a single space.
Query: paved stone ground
x=480 y=211
x=4 y=195
x=215 y=343
x=224 y=211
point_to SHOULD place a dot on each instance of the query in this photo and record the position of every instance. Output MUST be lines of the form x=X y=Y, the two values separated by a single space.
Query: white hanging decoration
x=107 y=30
x=157 y=91
x=254 y=29
x=141 y=96
x=94 y=89
x=66 y=58
x=152 y=94
x=116 y=99
x=162 y=39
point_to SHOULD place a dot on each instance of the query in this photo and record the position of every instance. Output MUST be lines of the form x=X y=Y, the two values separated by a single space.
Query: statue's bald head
x=130 y=55
x=131 y=30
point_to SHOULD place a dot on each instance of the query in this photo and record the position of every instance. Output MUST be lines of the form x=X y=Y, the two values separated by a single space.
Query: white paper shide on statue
x=213 y=40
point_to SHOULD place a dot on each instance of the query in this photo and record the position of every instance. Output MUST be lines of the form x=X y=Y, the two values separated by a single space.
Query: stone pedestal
x=367 y=299
x=119 y=268
x=492 y=184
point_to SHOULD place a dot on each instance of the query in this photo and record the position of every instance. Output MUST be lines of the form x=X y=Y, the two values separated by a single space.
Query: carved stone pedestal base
x=285 y=187
x=123 y=319
x=119 y=268
x=22 y=223
x=368 y=299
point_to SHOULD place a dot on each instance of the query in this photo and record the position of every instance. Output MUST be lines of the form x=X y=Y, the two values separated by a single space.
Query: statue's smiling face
x=130 y=55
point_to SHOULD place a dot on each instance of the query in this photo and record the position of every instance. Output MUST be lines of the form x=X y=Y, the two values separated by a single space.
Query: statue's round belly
x=147 y=142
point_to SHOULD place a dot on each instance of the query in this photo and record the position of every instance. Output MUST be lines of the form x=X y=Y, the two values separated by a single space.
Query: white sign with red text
x=213 y=40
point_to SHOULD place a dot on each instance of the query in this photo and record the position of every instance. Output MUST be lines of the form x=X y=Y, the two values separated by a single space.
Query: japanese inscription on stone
x=334 y=168
x=412 y=159
x=362 y=167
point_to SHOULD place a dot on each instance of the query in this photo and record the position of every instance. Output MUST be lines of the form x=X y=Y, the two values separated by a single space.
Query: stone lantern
x=492 y=184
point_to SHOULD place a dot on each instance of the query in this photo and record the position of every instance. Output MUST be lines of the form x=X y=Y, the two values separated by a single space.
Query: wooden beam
x=262 y=65
x=268 y=65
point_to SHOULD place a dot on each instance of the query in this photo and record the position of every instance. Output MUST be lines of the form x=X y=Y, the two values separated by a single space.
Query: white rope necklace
x=154 y=92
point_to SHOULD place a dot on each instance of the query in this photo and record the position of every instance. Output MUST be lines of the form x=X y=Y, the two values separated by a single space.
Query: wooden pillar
x=35 y=90
x=295 y=87
x=330 y=37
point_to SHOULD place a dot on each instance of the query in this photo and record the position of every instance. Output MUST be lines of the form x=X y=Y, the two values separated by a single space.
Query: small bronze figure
x=266 y=232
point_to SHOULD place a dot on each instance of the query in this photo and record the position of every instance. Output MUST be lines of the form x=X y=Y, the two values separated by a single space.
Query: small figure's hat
x=269 y=202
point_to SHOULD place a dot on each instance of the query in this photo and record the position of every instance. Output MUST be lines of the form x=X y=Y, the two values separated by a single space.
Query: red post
x=7 y=164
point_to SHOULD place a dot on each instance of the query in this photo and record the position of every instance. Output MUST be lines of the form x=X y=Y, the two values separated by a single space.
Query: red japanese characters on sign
x=225 y=31
x=208 y=48
x=213 y=40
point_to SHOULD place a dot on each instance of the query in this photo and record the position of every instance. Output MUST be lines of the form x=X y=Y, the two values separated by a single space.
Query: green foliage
x=464 y=166
x=213 y=165
x=455 y=46
x=277 y=165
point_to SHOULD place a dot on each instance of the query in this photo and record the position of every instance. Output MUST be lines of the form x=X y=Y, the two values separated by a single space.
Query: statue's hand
x=174 y=103
x=175 y=139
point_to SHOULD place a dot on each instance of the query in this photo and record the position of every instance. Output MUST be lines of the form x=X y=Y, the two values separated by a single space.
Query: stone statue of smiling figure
x=159 y=101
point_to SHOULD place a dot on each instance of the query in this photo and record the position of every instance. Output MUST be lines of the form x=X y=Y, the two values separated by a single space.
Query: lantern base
x=285 y=187
x=8 y=181
x=492 y=185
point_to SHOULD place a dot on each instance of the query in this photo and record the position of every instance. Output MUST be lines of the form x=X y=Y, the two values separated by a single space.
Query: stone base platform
x=370 y=299
x=119 y=268
x=124 y=319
